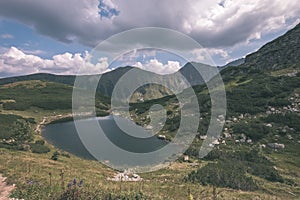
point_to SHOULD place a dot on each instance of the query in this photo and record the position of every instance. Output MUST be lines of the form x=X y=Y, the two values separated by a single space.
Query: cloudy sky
x=57 y=36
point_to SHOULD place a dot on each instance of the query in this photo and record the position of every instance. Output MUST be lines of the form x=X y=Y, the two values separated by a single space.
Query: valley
x=256 y=156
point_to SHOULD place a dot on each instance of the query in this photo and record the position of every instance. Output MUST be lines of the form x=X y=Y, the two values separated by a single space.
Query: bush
x=55 y=156
x=15 y=132
x=290 y=119
x=253 y=130
x=38 y=148
x=223 y=174
x=250 y=161
x=265 y=171
x=40 y=142
x=15 y=106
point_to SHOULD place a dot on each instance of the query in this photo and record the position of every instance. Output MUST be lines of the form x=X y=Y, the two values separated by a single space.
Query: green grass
x=251 y=94
x=23 y=166
x=25 y=95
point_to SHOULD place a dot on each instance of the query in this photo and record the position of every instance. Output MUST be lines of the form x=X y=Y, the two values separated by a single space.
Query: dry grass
x=21 y=167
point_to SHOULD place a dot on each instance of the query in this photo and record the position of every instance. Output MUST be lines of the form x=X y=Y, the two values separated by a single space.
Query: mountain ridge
x=281 y=52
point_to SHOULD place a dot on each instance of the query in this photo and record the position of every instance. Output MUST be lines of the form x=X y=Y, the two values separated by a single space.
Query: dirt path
x=39 y=126
x=5 y=189
x=47 y=120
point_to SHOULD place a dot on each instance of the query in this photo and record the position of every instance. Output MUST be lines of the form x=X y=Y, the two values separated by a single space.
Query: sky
x=58 y=36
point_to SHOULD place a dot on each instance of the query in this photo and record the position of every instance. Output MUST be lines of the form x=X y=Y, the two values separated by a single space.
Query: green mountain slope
x=258 y=146
x=40 y=94
x=105 y=86
x=282 y=52
x=108 y=80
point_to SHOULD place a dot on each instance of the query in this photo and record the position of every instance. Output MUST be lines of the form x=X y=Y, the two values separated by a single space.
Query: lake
x=65 y=136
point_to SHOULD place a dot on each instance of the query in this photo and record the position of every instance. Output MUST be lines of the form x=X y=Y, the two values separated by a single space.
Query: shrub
x=246 y=161
x=290 y=119
x=55 y=156
x=253 y=130
x=38 y=148
x=40 y=142
x=223 y=174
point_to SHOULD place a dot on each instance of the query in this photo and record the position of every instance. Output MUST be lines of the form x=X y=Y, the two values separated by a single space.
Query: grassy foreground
x=31 y=174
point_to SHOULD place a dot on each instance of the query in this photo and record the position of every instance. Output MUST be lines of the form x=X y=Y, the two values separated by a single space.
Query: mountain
x=282 y=52
x=234 y=63
x=108 y=80
x=105 y=86
x=33 y=94
x=68 y=80
x=260 y=140
x=191 y=74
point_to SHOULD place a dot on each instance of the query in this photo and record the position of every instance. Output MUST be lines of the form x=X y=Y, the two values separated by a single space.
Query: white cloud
x=213 y=23
x=154 y=65
x=206 y=55
x=7 y=36
x=33 y=52
x=220 y=26
x=16 y=62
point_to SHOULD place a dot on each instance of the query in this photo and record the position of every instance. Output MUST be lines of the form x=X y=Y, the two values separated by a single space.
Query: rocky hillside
x=281 y=53
x=258 y=147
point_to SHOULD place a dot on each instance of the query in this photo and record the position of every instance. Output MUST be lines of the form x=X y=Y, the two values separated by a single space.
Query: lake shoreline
x=65 y=136
x=69 y=118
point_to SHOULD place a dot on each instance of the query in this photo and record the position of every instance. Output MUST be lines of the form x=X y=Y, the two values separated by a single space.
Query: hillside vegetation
x=256 y=157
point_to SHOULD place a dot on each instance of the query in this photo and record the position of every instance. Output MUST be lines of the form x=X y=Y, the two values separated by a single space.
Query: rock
x=269 y=125
x=284 y=130
x=149 y=127
x=249 y=141
x=162 y=137
x=247 y=115
x=126 y=176
x=262 y=146
x=221 y=117
x=227 y=135
x=185 y=158
x=216 y=142
x=243 y=136
x=268 y=112
x=203 y=137
x=276 y=146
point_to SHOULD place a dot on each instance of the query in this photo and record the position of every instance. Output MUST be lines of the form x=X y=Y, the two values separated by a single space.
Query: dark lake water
x=65 y=137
